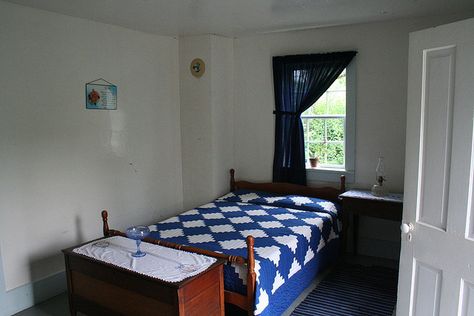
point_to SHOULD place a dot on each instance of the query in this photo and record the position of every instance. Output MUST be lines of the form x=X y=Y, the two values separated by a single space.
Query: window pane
x=336 y=102
x=321 y=149
x=320 y=107
x=317 y=150
x=335 y=129
x=317 y=108
x=335 y=154
x=316 y=130
x=311 y=150
x=340 y=83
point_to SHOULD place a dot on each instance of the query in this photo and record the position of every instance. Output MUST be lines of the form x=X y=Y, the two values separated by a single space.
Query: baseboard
x=27 y=295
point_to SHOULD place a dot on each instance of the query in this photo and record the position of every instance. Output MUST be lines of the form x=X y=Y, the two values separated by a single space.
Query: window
x=329 y=130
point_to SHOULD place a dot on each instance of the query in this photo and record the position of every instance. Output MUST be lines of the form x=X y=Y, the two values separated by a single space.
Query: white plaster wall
x=222 y=100
x=206 y=118
x=381 y=93
x=381 y=104
x=60 y=164
x=196 y=121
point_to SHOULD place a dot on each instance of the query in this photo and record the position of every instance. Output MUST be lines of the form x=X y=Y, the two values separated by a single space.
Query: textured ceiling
x=237 y=17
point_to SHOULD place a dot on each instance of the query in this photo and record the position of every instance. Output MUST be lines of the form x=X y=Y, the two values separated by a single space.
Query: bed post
x=232 y=180
x=105 y=224
x=343 y=184
x=250 y=274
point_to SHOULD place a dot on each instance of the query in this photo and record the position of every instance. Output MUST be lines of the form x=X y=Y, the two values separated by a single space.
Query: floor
x=58 y=306
x=362 y=260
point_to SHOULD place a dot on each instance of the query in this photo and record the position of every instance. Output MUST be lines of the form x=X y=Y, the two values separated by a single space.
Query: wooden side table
x=100 y=288
x=363 y=202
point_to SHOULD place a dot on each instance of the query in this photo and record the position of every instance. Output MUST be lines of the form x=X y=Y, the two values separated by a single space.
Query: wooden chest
x=99 y=288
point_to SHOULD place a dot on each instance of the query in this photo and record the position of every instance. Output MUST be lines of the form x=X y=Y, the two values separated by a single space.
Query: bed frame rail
x=326 y=193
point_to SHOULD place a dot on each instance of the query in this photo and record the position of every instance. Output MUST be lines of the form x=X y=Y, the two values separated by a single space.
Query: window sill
x=328 y=175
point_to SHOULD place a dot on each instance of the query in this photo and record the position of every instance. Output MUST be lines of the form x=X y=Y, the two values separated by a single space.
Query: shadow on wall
x=39 y=264
x=54 y=259
x=51 y=288
x=79 y=232
x=48 y=287
x=55 y=284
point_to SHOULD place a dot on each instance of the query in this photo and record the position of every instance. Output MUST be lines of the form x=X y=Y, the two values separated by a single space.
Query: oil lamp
x=378 y=189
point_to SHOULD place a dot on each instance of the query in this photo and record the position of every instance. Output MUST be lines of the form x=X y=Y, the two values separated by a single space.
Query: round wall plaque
x=198 y=67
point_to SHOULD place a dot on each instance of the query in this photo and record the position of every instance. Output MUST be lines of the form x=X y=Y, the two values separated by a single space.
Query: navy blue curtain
x=299 y=80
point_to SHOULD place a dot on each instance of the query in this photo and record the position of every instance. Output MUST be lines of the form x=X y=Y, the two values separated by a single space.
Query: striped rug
x=352 y=290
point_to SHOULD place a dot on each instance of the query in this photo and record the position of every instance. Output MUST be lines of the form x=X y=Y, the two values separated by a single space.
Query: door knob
x=407 y=227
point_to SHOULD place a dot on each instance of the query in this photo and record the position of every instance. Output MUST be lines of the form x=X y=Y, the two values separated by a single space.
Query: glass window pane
x=336 y=102
x=323 y=153
x=305 y=125
x=317 y=150
x=317 y=108
x=335 y=154
x=320 y=107
x=316 y=130
x=311 y=150
x=340 y=83
x=335 y=129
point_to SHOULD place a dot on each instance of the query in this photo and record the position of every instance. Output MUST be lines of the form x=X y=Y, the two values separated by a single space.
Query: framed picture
x=101 y=96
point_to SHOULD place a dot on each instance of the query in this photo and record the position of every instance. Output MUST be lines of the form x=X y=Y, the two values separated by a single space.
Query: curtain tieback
x=285 y=113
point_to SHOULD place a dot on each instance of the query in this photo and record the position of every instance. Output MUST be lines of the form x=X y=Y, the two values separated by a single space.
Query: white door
x=437 y=256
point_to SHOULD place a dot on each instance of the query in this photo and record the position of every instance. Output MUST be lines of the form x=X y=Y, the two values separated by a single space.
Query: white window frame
x=333 y=174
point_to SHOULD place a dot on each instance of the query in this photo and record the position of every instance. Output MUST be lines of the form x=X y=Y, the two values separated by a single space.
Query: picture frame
x=101 y=96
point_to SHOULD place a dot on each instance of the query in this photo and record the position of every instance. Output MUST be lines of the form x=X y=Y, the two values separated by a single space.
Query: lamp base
x=378 y=190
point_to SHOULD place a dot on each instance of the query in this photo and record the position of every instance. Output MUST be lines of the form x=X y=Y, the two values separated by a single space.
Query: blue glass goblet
x=137 y=233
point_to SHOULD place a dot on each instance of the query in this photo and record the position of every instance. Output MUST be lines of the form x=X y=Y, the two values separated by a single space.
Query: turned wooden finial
x=343 y=184
x=105 y=224
x=232 y=180
x=250 y=243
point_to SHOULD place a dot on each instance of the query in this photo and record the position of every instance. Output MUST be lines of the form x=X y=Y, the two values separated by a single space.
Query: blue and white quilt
x=290 y=232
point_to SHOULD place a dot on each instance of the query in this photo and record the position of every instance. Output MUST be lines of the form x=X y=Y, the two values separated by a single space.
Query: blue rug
x=352 y=290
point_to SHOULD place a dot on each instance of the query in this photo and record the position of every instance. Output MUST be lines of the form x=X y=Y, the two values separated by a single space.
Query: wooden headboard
x=326 y=193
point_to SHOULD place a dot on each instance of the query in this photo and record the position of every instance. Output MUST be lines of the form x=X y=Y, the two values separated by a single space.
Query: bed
x=274 y=236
